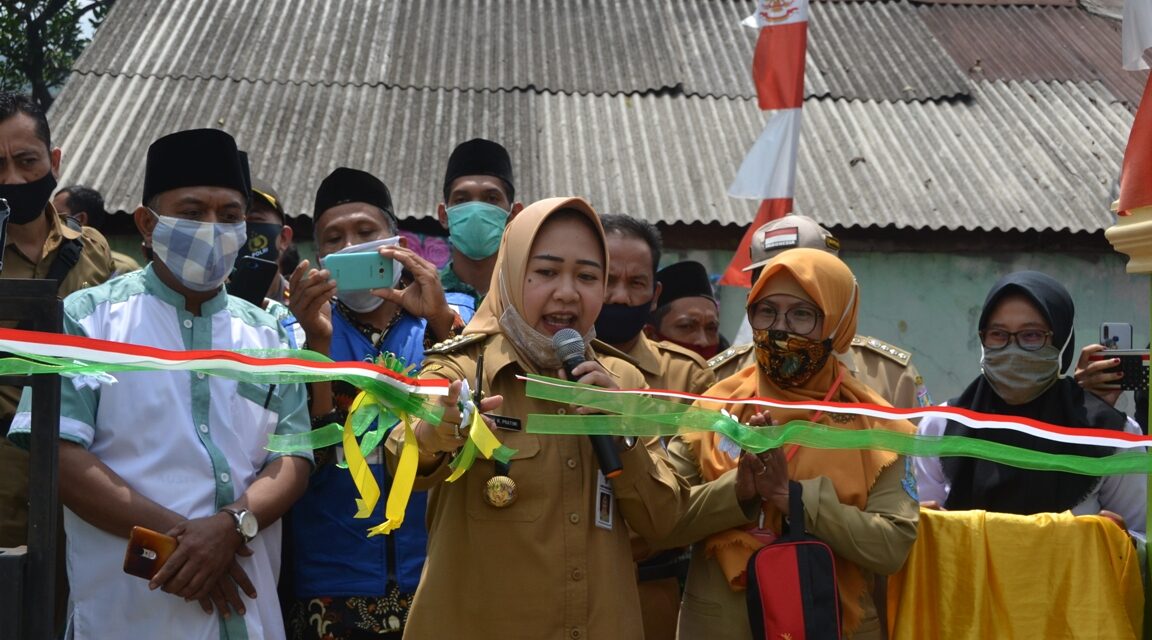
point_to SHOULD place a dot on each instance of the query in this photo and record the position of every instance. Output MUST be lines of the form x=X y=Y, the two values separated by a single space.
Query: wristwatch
x=246 y=524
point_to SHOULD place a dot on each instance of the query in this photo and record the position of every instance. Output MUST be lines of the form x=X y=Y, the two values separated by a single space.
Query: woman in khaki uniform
x=861 y=503
x=555 y=562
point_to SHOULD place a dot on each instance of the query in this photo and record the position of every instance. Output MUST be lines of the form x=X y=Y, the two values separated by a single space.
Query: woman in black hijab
x=1027 y=339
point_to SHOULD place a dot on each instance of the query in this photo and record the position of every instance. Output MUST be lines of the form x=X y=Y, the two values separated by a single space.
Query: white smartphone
x=1116 y=335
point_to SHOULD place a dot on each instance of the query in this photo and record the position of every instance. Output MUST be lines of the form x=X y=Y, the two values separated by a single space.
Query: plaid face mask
x=199 y=254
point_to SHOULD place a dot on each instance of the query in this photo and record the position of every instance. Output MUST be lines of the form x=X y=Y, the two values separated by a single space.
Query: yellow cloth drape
x=981 y=575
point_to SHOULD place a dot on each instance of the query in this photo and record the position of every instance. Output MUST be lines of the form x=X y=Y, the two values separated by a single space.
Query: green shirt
x=462 y=297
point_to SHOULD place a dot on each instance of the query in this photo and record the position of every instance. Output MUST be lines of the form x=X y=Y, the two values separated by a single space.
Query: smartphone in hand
x=1116 y=335
x=147 y=551
x=251 y=279
x=5 y=212
x=359 y=271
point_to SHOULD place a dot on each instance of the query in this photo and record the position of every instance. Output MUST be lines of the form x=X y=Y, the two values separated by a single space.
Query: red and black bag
x=792 y=583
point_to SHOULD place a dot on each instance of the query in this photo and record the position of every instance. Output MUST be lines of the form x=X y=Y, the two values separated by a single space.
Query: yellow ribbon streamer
x=481 y=437
x=402 y=483
x=362 y=477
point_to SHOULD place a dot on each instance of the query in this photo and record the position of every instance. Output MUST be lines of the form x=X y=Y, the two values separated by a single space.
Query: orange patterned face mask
x=789 y=360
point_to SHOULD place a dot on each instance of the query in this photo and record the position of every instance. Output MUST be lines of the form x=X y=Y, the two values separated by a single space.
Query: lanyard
x=792 y=449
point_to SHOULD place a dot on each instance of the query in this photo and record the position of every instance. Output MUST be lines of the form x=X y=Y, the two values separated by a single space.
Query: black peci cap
x=346 y=185
x=479 y=157
x=685 y=279
x=194 y=158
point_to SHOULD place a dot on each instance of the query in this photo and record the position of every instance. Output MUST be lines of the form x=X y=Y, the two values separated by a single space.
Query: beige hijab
x=507 y=288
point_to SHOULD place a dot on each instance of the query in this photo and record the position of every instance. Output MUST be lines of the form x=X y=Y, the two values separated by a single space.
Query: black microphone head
x=569 y=344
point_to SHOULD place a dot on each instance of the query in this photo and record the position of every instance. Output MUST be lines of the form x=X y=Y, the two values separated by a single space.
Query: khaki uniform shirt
x=93 y=268
x=539 y=568
x=123 y=263
x=877 y=539
x=670 y=366
x=886 y=369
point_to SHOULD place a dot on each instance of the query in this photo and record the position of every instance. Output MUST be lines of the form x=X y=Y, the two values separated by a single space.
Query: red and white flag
x=768 y=172
x=1136 y=174
x=1137 y=33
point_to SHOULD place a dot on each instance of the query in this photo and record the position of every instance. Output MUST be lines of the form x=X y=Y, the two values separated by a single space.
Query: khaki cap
x=793 y=231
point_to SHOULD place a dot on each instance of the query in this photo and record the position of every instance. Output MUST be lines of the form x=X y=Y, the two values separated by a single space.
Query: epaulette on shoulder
x=890 y=351
x=452 y=344
x=603 y=348
x=728 y=354
x=683 y=352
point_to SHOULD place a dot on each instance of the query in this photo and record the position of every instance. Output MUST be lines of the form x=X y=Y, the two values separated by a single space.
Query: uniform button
x=576 y=635
x=571 y=463
x=203 y=428
x=561 y=411
x=574 y=518
x=577 y=574
x=224 y=477
x=199 y=375
x=187 y=323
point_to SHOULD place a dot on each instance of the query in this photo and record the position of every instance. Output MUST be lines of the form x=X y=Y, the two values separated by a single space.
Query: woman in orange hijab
x=861 y=503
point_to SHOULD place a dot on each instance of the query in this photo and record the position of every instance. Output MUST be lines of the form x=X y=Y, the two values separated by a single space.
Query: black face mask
x=27 y=201
x=619 y=323
x=262 y=238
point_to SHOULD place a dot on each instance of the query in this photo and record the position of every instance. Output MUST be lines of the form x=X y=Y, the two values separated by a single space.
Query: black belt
x=669 y=564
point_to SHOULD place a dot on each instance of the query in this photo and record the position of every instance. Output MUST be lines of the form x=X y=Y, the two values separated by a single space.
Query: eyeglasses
x=800 y=319
x=1028 y=339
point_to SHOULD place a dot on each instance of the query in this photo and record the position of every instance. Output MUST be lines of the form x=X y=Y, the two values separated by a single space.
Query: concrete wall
x=929 y=303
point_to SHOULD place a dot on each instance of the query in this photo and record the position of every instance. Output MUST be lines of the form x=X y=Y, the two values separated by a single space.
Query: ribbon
x=481 y=440
x=653 y=416
x=387 y=396
x=402 y=482
x=35 y=352
x=362 y=477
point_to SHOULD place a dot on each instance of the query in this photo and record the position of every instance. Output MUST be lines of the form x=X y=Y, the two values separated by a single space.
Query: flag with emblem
x=768 y=172
x=1137 y=33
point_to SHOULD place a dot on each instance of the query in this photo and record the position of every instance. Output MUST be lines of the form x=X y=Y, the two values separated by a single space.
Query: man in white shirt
x=178 y=452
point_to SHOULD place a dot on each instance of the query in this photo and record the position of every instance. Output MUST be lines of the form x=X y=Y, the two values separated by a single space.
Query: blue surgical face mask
x=475 y=228
x=199 y=254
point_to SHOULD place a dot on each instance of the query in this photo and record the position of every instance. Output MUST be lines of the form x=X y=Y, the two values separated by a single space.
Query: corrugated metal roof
x=1019 y=156
x=591 y=46
x=868 y=51
x=1004 y=3
x=1016 y=156
x=1036 y=44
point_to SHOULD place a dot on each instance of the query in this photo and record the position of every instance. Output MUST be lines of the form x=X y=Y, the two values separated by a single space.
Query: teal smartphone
x=359 y=271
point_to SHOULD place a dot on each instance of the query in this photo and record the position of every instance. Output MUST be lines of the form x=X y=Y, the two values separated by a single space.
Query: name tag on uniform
x=605 y=506
x=504 y=422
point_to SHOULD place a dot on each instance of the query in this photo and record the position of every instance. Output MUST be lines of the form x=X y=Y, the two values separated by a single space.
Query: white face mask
x=200 y=255
x=1020 y=376
x=362 y=301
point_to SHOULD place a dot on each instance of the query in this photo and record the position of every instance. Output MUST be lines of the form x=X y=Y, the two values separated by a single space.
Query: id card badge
x=605 y=508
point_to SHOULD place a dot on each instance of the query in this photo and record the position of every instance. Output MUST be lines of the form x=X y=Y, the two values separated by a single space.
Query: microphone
x=570 y=349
